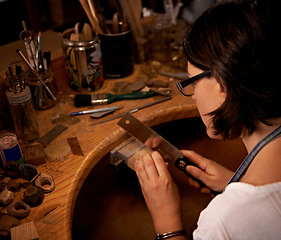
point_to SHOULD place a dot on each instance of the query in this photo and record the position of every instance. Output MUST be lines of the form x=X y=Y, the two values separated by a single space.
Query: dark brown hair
x=239 y=41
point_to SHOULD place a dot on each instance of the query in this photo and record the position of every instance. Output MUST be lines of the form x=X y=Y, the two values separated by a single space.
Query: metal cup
x=117 y=54
x=82 y=62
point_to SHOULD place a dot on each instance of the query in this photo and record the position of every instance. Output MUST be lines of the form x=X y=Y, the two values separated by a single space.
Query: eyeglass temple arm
x=185 y=83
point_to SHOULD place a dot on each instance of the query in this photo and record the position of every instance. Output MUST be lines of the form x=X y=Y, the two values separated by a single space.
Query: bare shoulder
x=266 y=166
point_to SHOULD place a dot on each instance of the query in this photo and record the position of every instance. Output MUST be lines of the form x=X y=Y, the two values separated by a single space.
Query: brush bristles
x=82 y=100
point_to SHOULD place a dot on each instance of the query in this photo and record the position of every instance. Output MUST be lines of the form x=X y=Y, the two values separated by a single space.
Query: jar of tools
x=23 y=113
x=82 y=61
x=43 y=88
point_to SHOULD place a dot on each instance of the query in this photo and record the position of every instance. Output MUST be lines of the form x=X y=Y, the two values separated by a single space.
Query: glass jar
x=23 y=113
x=160 y=37
x=10 y=148
x=82 y=62
x=43 y=89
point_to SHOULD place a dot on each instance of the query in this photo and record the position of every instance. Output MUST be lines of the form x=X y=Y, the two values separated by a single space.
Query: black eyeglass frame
x=182 y=84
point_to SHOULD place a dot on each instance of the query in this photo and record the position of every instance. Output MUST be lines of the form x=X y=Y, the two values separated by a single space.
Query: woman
x=233 y=53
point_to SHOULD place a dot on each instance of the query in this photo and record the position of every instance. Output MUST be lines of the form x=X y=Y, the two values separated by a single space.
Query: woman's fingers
x=197 y=173
x=140 y=171
x=197 y=159
x=212 y=174
x=160 y=164
x=149 y=166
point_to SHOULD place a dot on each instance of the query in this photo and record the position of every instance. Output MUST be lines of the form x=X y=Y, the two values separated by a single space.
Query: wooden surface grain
x=53 y=218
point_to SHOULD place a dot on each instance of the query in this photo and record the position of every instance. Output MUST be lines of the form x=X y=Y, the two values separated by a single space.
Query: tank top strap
x=248 y=160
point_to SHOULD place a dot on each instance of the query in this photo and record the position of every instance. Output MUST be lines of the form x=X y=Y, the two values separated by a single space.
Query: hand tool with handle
x=81 y=100
x=154 y=141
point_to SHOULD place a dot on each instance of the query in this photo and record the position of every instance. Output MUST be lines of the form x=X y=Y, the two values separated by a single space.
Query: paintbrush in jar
x=36 y=72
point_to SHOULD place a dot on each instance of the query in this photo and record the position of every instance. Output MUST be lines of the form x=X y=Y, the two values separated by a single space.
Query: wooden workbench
x=53 y=218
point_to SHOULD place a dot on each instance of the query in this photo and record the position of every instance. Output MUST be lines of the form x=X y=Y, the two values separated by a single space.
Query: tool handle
x=129 y=96
x=181 y=163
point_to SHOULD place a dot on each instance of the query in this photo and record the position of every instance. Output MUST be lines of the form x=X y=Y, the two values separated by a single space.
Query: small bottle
x=160 y=38
x=10 y=149
x=43 y=95
x=23 y=113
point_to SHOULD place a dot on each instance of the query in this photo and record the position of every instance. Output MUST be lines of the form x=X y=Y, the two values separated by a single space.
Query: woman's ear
x=221 y=89
x=223 y=92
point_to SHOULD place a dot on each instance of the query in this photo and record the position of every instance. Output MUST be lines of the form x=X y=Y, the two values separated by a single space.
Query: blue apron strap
x=246 y=163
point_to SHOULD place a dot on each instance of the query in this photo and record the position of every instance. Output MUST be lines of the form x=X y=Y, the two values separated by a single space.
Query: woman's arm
x=161 y=193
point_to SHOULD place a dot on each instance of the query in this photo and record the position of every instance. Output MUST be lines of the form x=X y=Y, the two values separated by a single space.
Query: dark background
x=58 y=15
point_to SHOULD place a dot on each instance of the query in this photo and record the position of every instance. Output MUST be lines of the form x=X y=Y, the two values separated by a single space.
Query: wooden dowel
x=93 y=22
x=93 y=10
x=132 y=9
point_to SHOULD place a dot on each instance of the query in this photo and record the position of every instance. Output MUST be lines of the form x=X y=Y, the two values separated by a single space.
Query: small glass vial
x=43 y=89
x=23 y=113
x=10 y=149
x=160 y=41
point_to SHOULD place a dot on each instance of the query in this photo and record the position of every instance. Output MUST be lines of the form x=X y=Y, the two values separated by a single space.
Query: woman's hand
x=160 y=193
x=212 y=174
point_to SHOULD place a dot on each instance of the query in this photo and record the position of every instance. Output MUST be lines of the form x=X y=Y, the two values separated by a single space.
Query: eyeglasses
x=181 y=85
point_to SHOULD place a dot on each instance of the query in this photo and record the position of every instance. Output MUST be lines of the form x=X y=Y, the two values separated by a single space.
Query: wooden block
x=34 y=154
x=14 y=185
x=25 y=231
x=6 y=197
x=75 y=146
